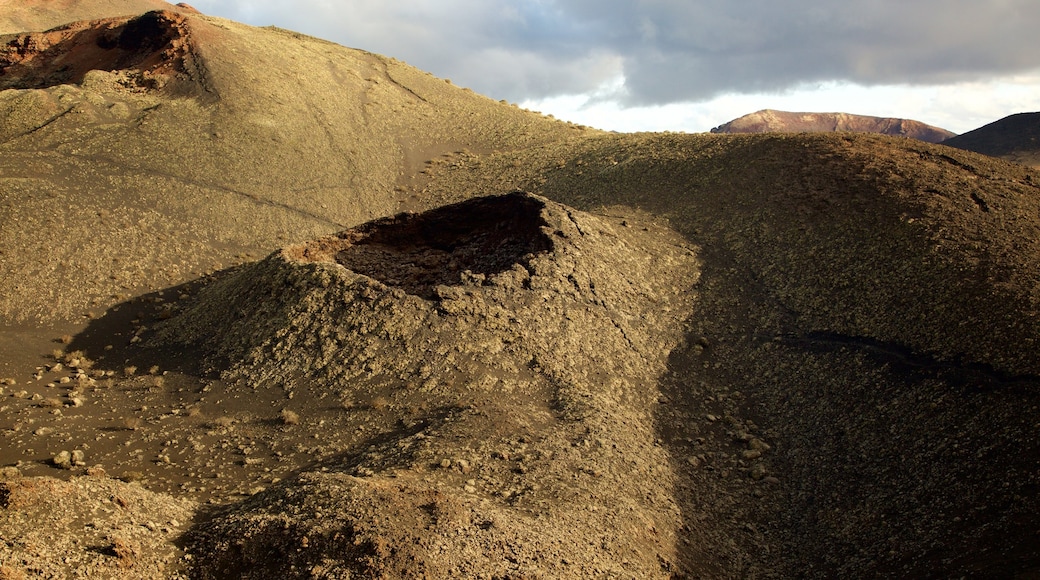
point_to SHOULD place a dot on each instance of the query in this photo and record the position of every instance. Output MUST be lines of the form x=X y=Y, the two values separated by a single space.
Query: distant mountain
x=771 y=121
x=1015 y=138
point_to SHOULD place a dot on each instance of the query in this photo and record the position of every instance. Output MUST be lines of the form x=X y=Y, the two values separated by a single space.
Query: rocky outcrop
x=151 y=50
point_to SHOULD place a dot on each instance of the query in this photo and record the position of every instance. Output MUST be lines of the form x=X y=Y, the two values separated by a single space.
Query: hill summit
x=771 y=121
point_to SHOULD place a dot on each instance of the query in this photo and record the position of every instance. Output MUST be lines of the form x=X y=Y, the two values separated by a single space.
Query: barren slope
x=870 y=308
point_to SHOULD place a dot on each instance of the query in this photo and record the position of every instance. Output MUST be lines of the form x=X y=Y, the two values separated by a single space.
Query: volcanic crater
x=418 y=252
x=155 y=45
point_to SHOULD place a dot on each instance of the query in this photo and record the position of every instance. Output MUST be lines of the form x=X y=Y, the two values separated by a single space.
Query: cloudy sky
x=689 y=65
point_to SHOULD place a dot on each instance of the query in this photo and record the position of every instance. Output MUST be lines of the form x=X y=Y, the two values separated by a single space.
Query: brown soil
x=680 y=356
x=770 y=121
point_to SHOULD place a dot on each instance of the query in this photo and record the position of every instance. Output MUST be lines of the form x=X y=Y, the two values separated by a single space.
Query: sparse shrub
x=153 y=370
x=290 y=417
x=379 y=404
x=223 y=422
x=130 y=477
x=194 y=412
x=130 y=370
x=75 y=355
x=133 y=423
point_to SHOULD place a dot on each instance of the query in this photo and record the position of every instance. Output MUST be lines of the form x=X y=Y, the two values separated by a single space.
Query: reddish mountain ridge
x=24 y=15
x=154 y=46
x=771 y=121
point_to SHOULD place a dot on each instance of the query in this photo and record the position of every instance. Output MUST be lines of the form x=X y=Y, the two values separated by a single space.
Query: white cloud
x=958 y=107
x=949 y=63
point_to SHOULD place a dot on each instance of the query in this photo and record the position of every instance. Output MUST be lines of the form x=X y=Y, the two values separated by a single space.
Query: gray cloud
x=672 y=50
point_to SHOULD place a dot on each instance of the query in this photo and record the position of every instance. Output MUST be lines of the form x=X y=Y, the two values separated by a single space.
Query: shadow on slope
x=418 y=252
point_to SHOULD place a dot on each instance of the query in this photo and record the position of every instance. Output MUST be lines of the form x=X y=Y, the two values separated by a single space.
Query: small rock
x=9 y=472
x=62 y=460
x=757 y=444
x=125 y=551
x=751 y=454
x=758 y=471
x=78 y=458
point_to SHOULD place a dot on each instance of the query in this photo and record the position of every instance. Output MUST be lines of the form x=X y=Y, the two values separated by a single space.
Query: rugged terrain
x=770 y=121
x=226 y=352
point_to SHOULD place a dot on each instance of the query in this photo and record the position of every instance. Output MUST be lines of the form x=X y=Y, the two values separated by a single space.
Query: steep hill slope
x=213 y=138
x=1015 y=138
x=770 y=121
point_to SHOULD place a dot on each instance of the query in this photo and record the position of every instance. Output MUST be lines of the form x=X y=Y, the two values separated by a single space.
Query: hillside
x=574 y=354
x=770 y=121
x=1014 y=138
x=218 y=120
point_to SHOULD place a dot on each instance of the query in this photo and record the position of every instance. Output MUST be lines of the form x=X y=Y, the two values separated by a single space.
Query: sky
x=690 y=65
